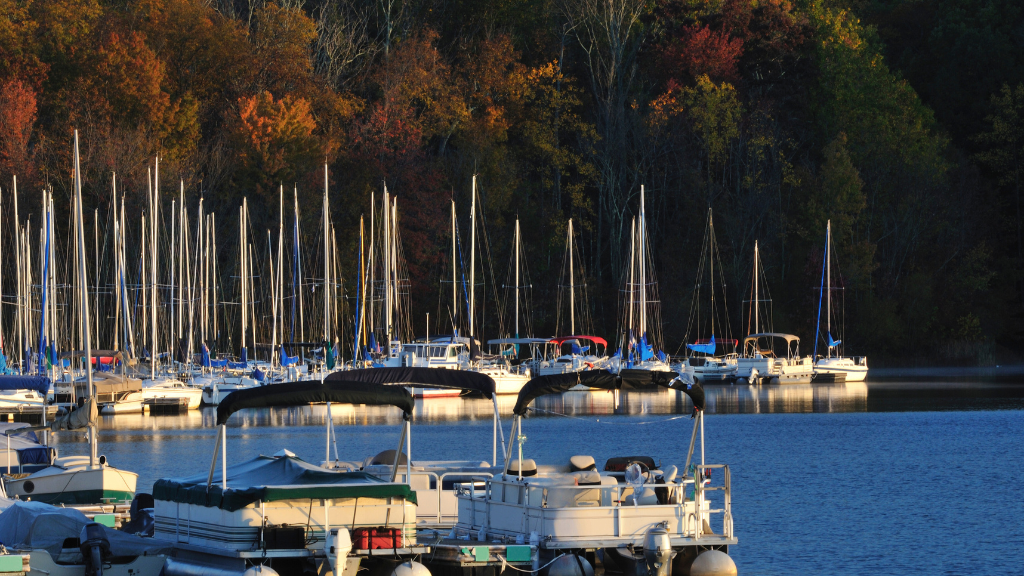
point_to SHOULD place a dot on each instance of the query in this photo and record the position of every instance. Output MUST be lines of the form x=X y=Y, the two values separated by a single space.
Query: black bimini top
x=605 y=380
x=334 y=389
x=426 y=377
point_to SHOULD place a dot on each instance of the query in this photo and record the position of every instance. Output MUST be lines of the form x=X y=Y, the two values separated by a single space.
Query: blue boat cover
x=708 y=348
x=287 y=360
x=833 y=343
x=40 y=384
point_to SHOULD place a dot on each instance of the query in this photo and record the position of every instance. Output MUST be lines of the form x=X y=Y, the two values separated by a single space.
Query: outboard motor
x=95 y=547
x=658 y=551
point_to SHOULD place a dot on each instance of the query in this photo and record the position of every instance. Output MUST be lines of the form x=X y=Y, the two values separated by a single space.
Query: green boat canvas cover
x=274 y=478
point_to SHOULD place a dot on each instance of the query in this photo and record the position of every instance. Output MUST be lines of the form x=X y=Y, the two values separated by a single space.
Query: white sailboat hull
x=75 y=484
x=855 y=370
x=135 y=402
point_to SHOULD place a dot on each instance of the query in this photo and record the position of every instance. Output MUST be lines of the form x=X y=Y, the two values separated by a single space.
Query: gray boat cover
x=274 y=478
x=37 y=526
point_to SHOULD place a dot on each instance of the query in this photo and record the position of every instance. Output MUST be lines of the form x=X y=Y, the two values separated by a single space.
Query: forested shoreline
x=901 y=122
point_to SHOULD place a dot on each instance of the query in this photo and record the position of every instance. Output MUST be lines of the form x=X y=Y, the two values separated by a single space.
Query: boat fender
x=570 y=565
x=713 y=563
x=410 y=568
x=95 y=548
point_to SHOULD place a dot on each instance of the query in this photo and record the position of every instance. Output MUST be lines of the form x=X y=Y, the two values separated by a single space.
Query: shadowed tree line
x=901 y=121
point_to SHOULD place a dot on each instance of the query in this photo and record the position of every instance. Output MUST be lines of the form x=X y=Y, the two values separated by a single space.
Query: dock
x=28 y=414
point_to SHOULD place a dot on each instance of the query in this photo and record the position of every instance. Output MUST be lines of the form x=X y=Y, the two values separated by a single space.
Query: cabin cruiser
x=163 y=387
x=709 y=367
x=280 y=511
x=640 y=515
x=578 y=358
x=761 y=363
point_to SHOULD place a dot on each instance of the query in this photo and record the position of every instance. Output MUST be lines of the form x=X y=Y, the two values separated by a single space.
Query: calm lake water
x=879 y=478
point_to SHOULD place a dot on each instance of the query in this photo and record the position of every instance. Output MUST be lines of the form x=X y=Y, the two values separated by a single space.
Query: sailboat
x=639 y=345
x=580 y=343
x=832 y=365
x=703 y=356
x=768 y=356
x=158 y=386
x=78 y=480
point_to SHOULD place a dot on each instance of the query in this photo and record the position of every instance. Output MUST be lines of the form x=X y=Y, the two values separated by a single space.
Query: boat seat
x=620 y=463
x=587 y=478
x=386 y=457
x=580 y=462
x=528 y=468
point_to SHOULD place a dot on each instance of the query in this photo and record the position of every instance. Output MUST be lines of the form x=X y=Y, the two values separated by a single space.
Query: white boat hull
x=75 y=484
x=853 y=370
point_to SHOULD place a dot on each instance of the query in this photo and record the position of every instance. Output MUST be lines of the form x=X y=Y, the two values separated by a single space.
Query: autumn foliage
x=779 y=114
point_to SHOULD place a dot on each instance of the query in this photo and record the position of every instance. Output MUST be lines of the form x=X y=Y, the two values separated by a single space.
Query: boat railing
x=436 y=484
x=607 y=512
x=702 y=513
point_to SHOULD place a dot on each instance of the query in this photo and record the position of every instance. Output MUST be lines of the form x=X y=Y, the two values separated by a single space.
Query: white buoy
x=570 y=565
x=410 y=568
x=260 y=570
x=713 y=563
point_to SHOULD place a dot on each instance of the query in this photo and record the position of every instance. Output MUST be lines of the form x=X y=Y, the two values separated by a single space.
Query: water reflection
x=849 y=397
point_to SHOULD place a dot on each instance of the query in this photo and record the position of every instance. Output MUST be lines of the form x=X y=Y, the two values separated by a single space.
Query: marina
x=792 y=429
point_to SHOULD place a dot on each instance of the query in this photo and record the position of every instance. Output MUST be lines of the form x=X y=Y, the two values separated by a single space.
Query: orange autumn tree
x=17 y=118
x=275 y=143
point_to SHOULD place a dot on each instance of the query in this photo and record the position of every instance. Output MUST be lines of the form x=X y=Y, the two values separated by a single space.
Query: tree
x=1005 y=148
x=275 y=144
x=17 y=118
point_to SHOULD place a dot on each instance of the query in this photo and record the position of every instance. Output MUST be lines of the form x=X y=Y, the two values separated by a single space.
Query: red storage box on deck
x=376 y=538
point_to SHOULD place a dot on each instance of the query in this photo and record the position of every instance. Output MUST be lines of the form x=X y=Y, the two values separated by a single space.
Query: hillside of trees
x=901 y=121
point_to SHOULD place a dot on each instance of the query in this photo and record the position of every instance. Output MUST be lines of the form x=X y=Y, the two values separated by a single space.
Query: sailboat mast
x=327 y=267
x=711 y=257
x=244 y=273
x=572 y=284
x=84 y=283
x=517 y=274
x=643 y=266
x=386 y=255
x=280 y=268
x=155 y=199
x=828 y=279
x=757 y=307
x=632 y=276
x=455 y=286
x=472 y=259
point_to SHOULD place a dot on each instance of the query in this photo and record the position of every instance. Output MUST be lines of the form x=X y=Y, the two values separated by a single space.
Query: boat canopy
x=333 y=389
x=605 y=380
x=40 y=384
x=26 y=444
x=595 y=339
x=787 y=337
x=39 y=526
x=426 y=377
x=275 y=478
